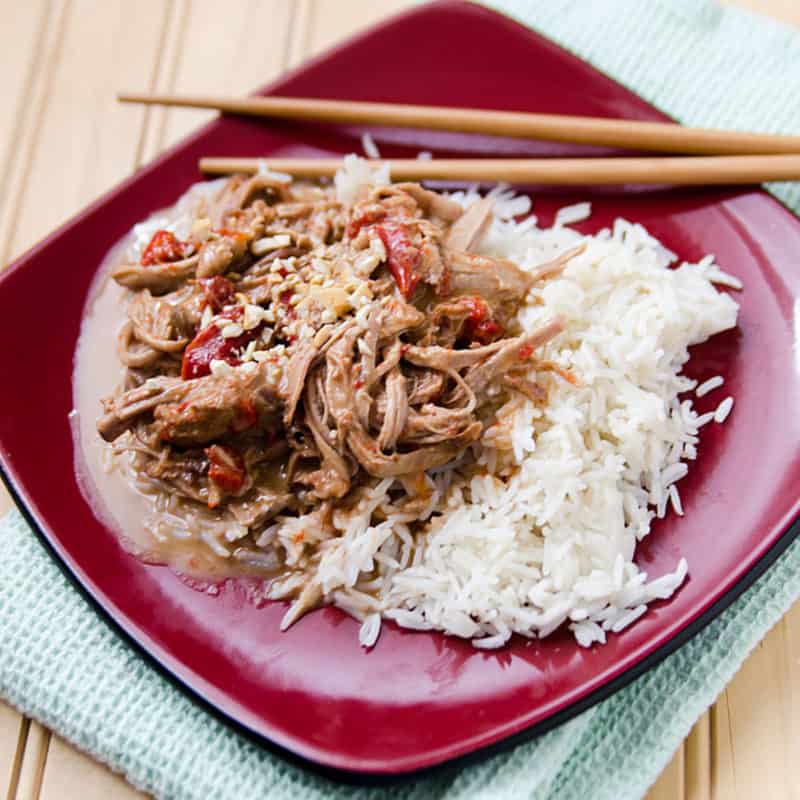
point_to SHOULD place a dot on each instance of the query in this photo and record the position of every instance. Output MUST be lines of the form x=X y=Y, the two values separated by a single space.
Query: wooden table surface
x=65 y=141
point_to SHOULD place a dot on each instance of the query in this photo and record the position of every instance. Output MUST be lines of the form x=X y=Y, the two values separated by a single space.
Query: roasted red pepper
x=402 y=257
x=480 y=327
x=365 y=219
x=210 y=345
x=218 y=292
x=163 y=248
x=225 y=468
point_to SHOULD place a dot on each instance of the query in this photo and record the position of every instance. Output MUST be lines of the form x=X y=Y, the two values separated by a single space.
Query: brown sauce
x=130 y=513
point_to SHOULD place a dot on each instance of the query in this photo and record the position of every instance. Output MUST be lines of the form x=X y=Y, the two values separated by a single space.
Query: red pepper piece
x=210 y=345
x=488 y=331
x=218 y=292
x=225 y=468
x=163 y=248
x=402 y=257
x=364 y=219
x=480 y=327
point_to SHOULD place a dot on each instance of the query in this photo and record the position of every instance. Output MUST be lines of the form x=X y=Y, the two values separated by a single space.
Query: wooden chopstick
x=697 y=170
x=655 y=136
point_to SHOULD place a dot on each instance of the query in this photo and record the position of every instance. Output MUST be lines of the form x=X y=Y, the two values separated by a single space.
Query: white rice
x=626 y=618
x=708 y=386
x=370 y=630
x=357 y=173
x=554 y=543
x=724 y=279
x=569 y=215
x=281 y=177
x=723 y=409
x=675 y=500
x=369 y=146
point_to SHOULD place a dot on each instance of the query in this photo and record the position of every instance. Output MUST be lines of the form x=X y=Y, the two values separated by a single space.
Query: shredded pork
x=295 y=350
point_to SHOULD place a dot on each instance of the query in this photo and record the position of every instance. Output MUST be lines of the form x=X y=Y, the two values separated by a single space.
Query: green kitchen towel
x=60 y=663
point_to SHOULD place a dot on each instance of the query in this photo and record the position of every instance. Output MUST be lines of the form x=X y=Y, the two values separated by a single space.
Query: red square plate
x=419 y=699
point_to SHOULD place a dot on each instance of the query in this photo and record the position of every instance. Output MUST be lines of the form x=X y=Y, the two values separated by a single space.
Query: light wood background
x=64 y=141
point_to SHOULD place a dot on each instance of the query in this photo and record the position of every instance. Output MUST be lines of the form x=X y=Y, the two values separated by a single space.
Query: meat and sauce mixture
x=294 y=350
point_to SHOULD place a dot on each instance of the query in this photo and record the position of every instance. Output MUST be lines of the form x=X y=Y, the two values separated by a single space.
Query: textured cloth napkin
x=60 y=663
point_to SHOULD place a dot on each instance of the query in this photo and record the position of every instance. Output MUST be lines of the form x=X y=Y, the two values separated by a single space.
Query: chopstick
x=697 y=170
x=653 y=136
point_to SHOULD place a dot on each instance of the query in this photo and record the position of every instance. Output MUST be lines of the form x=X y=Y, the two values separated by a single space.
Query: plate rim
x=116 y=617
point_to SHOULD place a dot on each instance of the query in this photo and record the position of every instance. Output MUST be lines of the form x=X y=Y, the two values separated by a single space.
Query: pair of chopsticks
x=714 y=156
